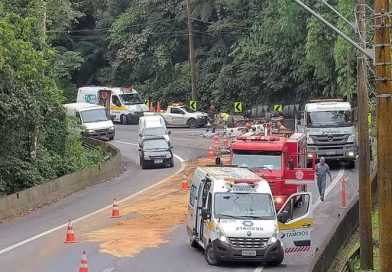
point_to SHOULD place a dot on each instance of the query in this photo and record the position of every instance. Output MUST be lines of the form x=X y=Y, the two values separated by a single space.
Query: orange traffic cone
x=210 y=152
x=70 y=238
x=159 y=107
x=225 y=142
x=216 y=139
x=83 y=263
x=115 y=210
x=184 y=183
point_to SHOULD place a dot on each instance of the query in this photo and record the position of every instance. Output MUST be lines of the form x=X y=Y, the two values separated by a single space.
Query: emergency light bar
x=258 y=138
x=326 y=100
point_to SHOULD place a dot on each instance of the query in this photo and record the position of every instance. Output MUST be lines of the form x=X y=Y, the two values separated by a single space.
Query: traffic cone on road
x=184 y=183
x=216 y=139
x=83 y=263
x=115 y=210
x=70 y=238
x=210 y=152
x=344 y=197
x=159 y=107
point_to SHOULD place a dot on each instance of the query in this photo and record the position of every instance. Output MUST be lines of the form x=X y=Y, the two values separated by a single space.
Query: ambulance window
x=116 y=100
x=300 y=206
x=192 y=195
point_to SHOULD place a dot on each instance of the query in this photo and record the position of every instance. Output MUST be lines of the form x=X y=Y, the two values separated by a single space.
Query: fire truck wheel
x=254 y=112
x=260 y=112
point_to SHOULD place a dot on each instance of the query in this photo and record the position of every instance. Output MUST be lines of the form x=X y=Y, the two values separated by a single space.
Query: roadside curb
x=35 y=197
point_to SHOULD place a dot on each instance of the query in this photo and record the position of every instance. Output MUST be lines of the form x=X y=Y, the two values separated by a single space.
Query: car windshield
x=131 y=99
x=154 y=131
x=244 y=206
x=187 y=109
x=329 y=118
x=156 y=144
x=95 y=115
x=258 y=159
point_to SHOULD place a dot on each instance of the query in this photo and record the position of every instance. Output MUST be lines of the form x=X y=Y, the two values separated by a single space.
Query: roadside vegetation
x=38 y=142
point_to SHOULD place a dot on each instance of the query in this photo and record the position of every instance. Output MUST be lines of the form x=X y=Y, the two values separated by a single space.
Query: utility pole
x=365 y=198
x=384 y=129
x=191 y=52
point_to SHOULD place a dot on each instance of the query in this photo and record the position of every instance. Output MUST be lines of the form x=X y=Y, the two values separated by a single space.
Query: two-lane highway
x=35 y=242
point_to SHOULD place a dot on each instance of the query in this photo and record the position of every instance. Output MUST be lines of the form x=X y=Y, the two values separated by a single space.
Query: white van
x=94 y=119
x=126 y=106
x=232 y=216
x=152 y=126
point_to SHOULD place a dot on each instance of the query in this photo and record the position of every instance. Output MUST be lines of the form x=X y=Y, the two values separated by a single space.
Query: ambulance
x=126 y=105
x=231 y=215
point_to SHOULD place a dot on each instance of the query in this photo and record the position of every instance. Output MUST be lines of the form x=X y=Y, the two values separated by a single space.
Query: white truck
x=232 y=216
x=330 y=130
x=126 y=105
x=179 y=115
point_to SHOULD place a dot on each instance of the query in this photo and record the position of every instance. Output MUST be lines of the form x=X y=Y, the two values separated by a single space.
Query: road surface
x=34 y=242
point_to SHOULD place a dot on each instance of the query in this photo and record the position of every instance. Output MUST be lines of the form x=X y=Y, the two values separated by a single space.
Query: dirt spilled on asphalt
x=147 y=219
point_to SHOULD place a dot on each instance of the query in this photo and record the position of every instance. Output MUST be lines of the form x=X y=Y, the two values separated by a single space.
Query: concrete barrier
x=340 y=234
x=37 y=196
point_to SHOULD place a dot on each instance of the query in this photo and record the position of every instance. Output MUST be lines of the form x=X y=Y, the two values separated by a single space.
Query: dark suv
x=155 y=151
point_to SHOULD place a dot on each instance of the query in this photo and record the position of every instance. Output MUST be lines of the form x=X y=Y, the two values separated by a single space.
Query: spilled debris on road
x=150 y=217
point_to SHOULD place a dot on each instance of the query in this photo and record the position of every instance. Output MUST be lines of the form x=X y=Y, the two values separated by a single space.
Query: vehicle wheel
x=351 y=164
x=260 y=112
x=124 y=120
x=209 y=254
x=254 y=113
x=278 y=261
x=111 y=138
x=171 y=164
x=192 y=123
x=143 y=164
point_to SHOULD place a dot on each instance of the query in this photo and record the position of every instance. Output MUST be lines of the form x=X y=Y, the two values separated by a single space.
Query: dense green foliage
x=255 y=51
x=38 y=142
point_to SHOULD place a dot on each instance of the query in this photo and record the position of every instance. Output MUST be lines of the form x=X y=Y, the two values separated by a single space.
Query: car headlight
x=168 y=156
x=90 y=130
x=146 y=157
x=221 y=234
x=111 y=128
x=275 y=236
x=310 y=140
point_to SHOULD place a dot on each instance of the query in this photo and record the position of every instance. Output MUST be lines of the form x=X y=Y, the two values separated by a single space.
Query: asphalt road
x=34 y=242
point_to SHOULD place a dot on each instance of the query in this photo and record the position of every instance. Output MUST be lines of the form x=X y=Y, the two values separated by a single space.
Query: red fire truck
x=280 y=157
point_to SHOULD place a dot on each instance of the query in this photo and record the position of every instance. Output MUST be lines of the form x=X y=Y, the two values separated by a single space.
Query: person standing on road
x=322 y=169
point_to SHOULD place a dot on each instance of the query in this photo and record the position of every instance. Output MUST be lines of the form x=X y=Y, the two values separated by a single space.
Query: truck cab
x=330 y=130
x=231 y=215
x=280 y=159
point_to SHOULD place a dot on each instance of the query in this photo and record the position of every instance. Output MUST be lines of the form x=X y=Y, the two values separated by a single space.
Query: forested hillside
x=255 y=51
x=37 y=141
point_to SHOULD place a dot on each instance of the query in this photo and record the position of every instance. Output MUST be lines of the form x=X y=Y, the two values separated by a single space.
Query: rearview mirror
x=140 y=135
x=283 y=216
x=140 y=149
x=169 y=132
x=205 y=214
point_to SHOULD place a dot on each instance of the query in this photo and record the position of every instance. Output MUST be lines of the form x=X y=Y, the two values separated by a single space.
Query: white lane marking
x=331 y=186
x=108 y=270
x=126 y=143
x=26 y=241
x=259 y=269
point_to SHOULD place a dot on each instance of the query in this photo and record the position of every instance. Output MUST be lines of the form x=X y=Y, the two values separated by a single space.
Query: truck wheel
x=192 y=123
x=351 y=164
x=123 y=120
x=209 y=254
x=254 y=112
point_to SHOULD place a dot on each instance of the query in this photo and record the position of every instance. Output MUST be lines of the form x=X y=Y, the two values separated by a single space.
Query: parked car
x=155 y=151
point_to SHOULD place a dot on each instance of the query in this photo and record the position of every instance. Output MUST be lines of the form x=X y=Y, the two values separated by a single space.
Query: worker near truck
x=322 y=169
